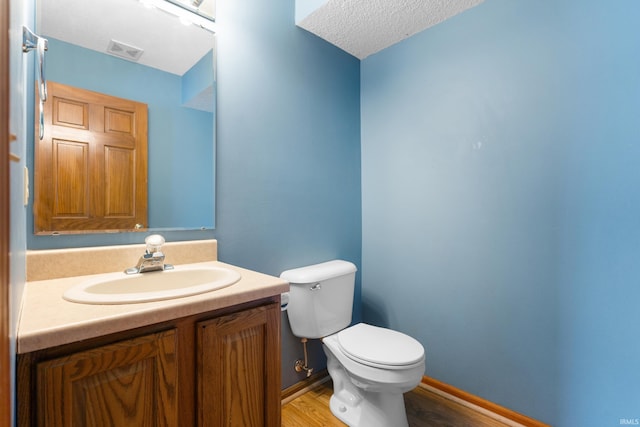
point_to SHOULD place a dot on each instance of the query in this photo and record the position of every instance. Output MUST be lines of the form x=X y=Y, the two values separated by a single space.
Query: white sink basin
x=121 y=288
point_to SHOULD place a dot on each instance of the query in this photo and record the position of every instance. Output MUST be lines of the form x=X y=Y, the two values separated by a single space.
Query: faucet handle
x=154 y=243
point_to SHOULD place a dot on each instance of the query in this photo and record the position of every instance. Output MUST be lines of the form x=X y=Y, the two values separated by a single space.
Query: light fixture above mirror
x=190 y=12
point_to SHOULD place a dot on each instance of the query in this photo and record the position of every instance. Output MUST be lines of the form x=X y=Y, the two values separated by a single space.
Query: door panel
x=91 y=165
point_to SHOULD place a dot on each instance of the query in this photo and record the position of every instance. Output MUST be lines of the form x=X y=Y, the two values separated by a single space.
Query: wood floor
x=424 y=409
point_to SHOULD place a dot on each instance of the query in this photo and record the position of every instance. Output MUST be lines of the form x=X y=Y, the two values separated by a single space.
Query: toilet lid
x=380 y=346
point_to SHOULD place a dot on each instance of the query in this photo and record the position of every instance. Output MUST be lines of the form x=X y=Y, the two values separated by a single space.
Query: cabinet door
x=130 y=383
x=239 y=369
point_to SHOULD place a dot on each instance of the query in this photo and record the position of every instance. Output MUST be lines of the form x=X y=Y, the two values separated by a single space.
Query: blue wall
x=181 y=141
x=288 y=149
x=200 y=78
x=500 y=204
x=599 y=233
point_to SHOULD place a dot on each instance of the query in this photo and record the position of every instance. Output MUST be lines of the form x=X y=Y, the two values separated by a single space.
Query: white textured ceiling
x=168 y=45
x=364 y=27
x=360 y=27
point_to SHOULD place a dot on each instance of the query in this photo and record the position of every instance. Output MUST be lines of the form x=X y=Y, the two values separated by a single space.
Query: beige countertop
x=47 y=320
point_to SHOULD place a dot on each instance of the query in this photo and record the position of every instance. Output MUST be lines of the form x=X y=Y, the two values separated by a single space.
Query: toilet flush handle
x=315 y=287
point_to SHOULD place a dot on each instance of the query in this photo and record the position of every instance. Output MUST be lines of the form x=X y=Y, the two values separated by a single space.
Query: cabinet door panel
x=130 y=383
x=239 y=369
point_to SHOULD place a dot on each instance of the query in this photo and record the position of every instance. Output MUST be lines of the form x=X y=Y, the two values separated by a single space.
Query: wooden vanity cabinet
x=239 y=369
x=128 y=383
x=220 y=369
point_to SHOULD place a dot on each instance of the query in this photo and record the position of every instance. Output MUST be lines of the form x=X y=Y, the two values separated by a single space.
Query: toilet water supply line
x=301 y=365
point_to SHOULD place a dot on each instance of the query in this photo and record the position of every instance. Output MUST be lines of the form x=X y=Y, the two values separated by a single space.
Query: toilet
x=371 y=367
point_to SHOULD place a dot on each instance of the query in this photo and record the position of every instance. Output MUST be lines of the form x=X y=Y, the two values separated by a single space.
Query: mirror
x=140 y=50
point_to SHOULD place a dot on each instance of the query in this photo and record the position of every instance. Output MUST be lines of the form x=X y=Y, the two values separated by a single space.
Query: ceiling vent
x=124 y=50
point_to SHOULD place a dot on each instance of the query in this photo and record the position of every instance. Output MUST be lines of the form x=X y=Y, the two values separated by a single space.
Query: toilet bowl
x=371 y=367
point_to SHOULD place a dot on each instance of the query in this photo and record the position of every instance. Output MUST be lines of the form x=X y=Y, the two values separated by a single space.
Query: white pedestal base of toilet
x=373 y=410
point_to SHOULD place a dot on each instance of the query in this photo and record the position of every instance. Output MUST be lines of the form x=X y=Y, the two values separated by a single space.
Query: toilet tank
x=320 y=298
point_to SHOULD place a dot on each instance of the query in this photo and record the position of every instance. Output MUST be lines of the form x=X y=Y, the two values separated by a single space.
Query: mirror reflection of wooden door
x=91 y=165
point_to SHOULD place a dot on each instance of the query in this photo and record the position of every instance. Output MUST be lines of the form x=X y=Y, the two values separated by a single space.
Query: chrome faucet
x=153 y=258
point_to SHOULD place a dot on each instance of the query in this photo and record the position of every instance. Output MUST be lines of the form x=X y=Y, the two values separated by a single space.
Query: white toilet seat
x=380 y=347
